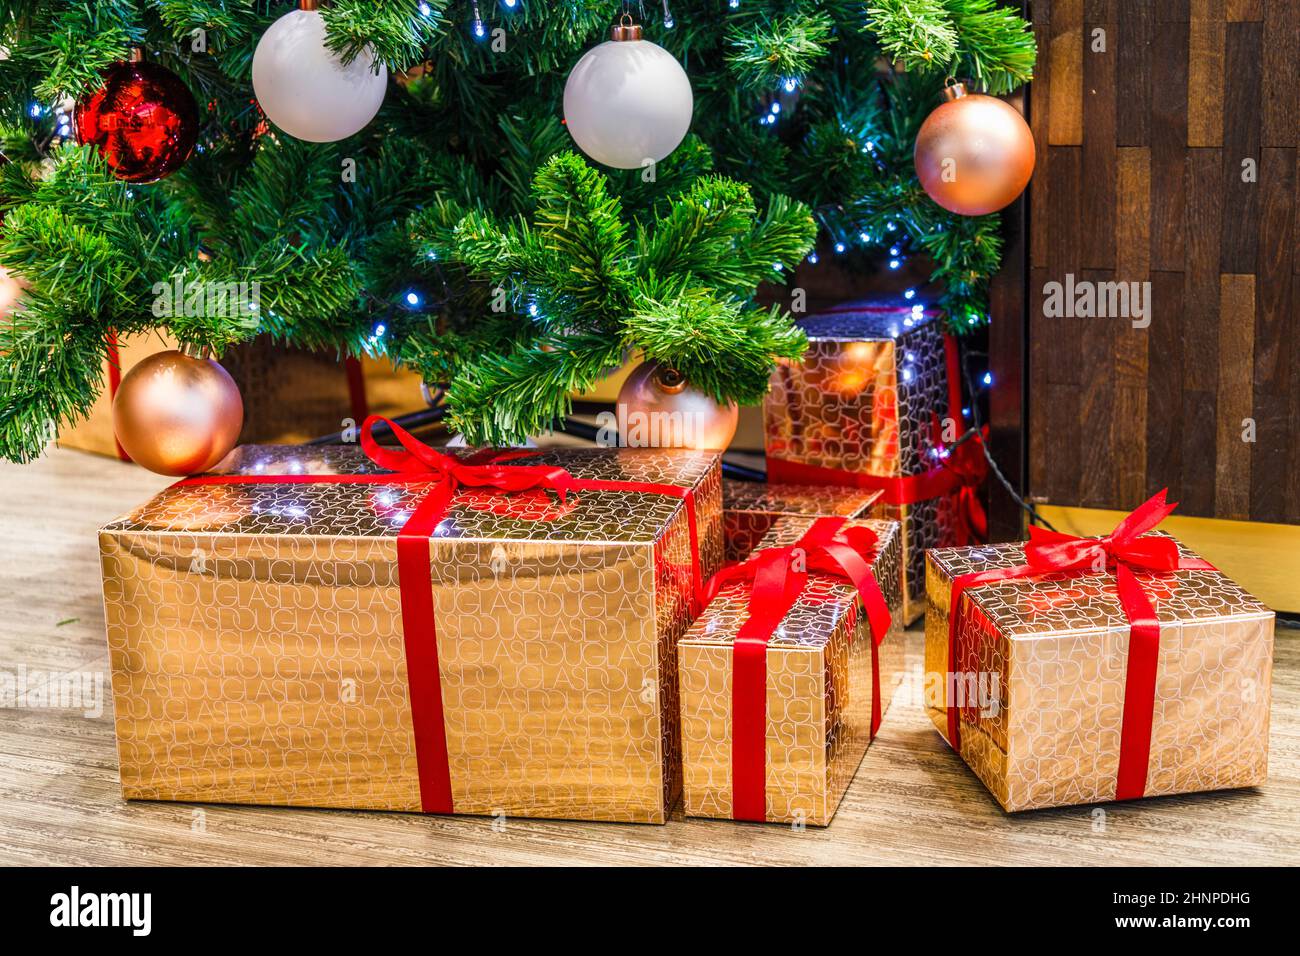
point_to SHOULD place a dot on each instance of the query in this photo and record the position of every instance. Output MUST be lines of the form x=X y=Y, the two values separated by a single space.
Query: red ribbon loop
x=419 y=458
x=1128 y=544
x=777 y=577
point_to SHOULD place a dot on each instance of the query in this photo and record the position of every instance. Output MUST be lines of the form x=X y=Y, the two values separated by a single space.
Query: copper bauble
x=143 y=119
x=10 y=289
x=658 y=408
x=176 y=414
x=974 y=154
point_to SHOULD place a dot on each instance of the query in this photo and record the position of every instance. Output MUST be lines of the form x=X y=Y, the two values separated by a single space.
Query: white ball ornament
x=305 y=89
x=627 y=102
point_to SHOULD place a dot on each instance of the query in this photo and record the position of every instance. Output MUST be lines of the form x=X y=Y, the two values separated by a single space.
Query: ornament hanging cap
x=136 y=55
x=308 y=4
x=953 y=90
x=625 y=29
x=670 y=380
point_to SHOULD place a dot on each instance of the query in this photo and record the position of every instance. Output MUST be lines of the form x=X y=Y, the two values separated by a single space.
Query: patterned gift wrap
x=864 y=405
x=750 y=508
x=258 y=651
x=819 y=688
x=1043 y=664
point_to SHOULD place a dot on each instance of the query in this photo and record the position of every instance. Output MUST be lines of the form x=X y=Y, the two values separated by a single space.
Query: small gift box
x=750 y=508
x=401 y=629
x=1076 y=670
x=867 y=407
x=786 y=674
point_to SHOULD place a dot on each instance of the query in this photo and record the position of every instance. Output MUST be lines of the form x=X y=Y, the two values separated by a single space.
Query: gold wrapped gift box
x=750 y=508
x=258 y=652
x=864 y=403
x=1042 y=674
x=819 y=688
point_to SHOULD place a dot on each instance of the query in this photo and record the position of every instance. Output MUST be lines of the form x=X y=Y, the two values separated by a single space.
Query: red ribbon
x=1124 y=552
x=487 y=471
x=778 y=579
x=115 y=380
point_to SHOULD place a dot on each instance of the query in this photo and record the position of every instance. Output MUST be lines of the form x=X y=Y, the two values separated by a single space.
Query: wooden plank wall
x=1139 y=179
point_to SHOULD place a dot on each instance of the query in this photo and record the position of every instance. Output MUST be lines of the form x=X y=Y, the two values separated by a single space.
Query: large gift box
x=867 y=407
x=787 y=673
x=399 y=629
x=1076 y=670
x=290 y=394
x=750 y=508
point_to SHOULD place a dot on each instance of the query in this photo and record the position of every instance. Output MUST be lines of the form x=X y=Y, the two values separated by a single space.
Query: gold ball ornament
x=657 y=408
x=177 y=414
x=974 y=154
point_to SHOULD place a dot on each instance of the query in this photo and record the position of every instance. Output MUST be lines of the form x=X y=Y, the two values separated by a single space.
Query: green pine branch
x=393 y=33
x=690 y=330
x=457 y=234
x=764 y=54
x=501 y=398
x=963 y=38
x=586 y=295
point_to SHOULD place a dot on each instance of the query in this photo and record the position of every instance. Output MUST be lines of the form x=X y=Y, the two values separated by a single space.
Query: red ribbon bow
x=1129 y=544
x=417 y=462
x=778 y=576
x=1126 y=550
x=451 y=473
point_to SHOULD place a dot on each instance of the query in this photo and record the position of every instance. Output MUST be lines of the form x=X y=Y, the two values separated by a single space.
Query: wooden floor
x=913 y=802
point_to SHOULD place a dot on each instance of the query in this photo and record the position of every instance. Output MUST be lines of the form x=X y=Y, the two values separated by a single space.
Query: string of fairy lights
x=782 y=102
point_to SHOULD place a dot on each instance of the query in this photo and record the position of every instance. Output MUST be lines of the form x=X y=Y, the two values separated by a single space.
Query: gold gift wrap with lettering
x=750 y=508
x=257 y=649
x=1042 y=669
x=864 y=401
x=819 y=688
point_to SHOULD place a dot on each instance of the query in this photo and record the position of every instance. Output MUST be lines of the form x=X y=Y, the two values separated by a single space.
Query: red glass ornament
x=143 y=119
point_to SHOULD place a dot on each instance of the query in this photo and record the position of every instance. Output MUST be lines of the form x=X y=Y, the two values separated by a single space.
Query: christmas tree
x=460 y=232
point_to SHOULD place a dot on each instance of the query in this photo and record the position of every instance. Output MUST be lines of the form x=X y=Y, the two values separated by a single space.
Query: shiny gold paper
x=750 y=508
x=1048 y=661
x=256 y=644
x=819 y=689
x=864 y=400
